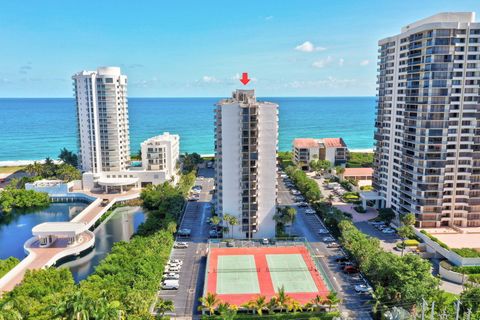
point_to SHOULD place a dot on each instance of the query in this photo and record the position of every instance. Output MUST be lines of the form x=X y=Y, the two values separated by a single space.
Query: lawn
x=11 y=169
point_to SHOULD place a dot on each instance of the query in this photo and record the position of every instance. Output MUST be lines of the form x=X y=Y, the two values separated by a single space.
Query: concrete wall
x=452 y=276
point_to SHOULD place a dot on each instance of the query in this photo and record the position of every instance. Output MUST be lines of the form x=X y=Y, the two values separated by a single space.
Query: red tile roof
x=358 y=172
x=305 y=143
x=334 y=142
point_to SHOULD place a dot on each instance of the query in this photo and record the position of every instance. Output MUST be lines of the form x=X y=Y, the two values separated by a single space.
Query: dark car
x=341 y=259
x=351 y=270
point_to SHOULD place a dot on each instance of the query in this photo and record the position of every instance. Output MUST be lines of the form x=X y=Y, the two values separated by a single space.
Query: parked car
x=333 y=245
x=213 y=234
x=310 y=211
x=322 y=231
x=184 y=232
x=328 y=239
x=341 y=259
x=171 y=276
x=363 y=288
x=230 y=244
x=173 y=268
x=351 y=270
x=180 y=245
x=175 y=261
x=170 y=285
x=388 y=231
x=265 y=241
x=303 y=204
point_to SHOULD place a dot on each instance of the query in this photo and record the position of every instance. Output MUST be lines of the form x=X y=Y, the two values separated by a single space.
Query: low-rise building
x=160 y=157
x=363 y=176
x=307 y=149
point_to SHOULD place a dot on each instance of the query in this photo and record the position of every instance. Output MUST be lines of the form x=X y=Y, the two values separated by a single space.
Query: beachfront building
x=427 y=150
x=102 y=120
x=307 y=149
x=160 y=157
x=246 y=137
x=161 y=153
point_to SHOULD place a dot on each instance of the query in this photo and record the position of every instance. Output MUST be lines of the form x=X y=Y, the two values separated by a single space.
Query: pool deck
x=39 y=257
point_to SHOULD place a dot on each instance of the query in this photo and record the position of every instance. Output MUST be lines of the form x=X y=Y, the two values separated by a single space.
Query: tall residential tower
x=427 y=153
x=246 y=134
x=102 y=114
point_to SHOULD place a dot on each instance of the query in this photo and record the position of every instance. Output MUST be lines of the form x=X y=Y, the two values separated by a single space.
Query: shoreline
x=16 y=163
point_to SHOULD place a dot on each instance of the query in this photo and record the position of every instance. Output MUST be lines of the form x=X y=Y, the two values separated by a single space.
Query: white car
x=321 y=231
x=173 y=268
x=175 y=261
x=170 y=285
x=388 y=231
x=328 y=239
x=171 y=276
x=180 y=245
x=362 y=288
x=310 y=211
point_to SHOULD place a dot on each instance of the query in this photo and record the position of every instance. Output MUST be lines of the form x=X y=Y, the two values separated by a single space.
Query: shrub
x=411 y=243
x=359 y=209
x=474 y=278
x=7 y=265
x=467 y=252
x=467 y=269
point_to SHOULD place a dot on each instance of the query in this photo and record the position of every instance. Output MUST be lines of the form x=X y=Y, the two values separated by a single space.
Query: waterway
x=14 y=232
x=119 y=226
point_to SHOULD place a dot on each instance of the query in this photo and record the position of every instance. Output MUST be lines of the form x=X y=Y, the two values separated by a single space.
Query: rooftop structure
x=427 y=154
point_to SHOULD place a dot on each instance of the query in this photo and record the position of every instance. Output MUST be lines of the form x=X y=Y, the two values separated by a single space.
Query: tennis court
x=237 y=274
x=291 y=272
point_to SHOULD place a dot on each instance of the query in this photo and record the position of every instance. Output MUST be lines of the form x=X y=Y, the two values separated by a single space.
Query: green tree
x=76 y=306
x=67 y=172
x=227 y=311
x=231 y=221
x=404 y=232
x=282 y=299
x=215 y=220
x=290 y=215
x=386 y=214
x=9 y=312
x=408 y=219
x=258 y=304
x=68 y=157
x=470 y=299
x=332 y=300
x=163 y=306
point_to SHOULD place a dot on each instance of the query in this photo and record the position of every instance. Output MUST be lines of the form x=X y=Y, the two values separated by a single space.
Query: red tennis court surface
x=264 y=273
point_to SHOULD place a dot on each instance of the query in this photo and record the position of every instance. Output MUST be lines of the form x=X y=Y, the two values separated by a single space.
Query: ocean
x=33 y=129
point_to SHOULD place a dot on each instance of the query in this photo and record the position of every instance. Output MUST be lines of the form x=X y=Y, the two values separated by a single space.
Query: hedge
x=467 y=252
x=281 y=316
x=440 y=243
x=467 y=269
x=411 y=243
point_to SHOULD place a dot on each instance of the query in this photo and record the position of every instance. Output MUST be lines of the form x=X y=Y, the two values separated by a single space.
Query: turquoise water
x=33 y=129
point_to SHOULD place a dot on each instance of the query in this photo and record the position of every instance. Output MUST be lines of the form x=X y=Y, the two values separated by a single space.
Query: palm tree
x=105 y=310
x=227 y=311
x=76 y=306
x=290 y=214
x=282 y=299
x=271 y=305
x=226 y=219
x=9 y=312
x=215 y=220
x=332 y=299
x=258 y=304
x=163 y=306
x=233 y=222
x=294 y=306
x=210 y=302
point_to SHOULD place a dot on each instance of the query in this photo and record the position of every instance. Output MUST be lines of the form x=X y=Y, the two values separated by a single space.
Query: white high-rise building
x=102 y=114
x=161 y=153
x=427 y=152
x=246 y=135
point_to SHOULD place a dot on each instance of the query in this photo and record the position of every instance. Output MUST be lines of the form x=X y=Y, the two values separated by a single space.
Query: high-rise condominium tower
x=427 y=153
x=102 y=113
x=246 y=134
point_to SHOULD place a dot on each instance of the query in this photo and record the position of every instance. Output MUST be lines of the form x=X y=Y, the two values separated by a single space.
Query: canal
x=119 y=226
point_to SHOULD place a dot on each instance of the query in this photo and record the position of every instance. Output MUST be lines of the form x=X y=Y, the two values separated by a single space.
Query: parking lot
x=355 y=305
x=192 y=270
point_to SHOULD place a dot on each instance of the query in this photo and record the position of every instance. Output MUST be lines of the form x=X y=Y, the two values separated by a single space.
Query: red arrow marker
x=244 y=78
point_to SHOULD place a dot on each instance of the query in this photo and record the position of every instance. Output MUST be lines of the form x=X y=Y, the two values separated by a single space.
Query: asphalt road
x=354 y=305
x=192 y=272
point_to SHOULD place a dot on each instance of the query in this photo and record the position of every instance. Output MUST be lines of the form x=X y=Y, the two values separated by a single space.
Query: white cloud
x=307 y=46
x=329 y=82
x=269 y=18
x=209 y=79
x=341 y=61
x=364 y=62
x=322 y=62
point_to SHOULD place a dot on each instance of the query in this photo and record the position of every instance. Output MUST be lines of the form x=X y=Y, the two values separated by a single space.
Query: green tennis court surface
x=237 y=274
x=291 y=272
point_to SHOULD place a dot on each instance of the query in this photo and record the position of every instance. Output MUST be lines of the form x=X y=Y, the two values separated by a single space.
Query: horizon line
x=198 y=97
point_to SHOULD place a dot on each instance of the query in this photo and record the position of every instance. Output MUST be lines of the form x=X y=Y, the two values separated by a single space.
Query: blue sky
x=198 y=48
